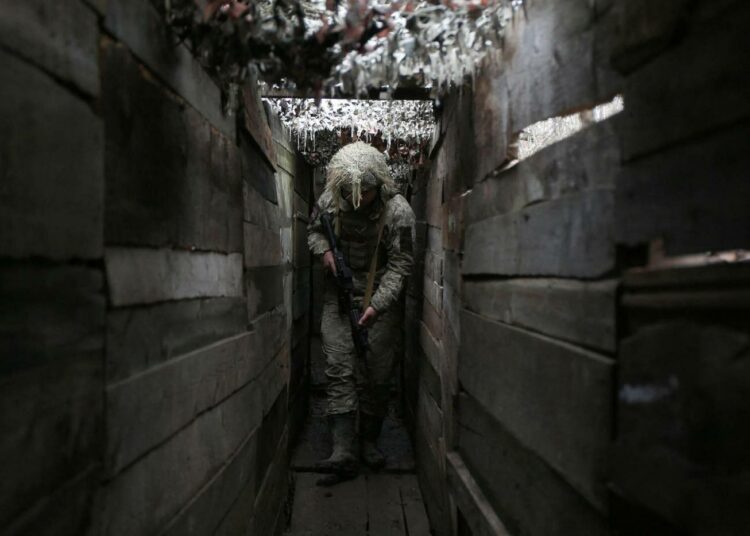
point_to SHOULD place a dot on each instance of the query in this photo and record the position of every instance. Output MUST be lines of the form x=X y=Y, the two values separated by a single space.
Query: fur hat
x=358 y=167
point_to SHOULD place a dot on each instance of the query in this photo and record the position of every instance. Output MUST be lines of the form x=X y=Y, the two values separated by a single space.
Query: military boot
x=370 y=426
x=342 y=463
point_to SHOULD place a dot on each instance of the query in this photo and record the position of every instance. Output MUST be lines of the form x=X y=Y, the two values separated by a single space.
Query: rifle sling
x=373 y=265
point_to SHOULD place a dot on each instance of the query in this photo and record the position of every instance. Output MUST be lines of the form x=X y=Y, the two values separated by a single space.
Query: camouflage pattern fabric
x=349 y=387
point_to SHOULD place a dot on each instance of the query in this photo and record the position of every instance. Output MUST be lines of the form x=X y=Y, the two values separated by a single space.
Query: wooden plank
x=433 y=266
x=302 y=179
x=691 y=379
x=148 y=408
x=301 y=208
x=302 y=257
x=491 y=118
x=453 y=223
x=435 y=240
x=633 y=34
x=432 y=319
x=385 y=516
x=528 y=495
x=588 y=160
x=53 y=175
x=555 y=397
x=51 y=370
x=274 y=378
x=433 y=293
x=272 y=431
x=709 y=300
x=67 y=510
x=477 y=511
x=692 y=204
x=715 y=276
x=434 y=200
x=144 y=275
x=428 y=376
x=256 y=122
x=256 y=171
x=690 y=89
x=61 y=38
x=340 y=509
x=272 y=332
x=258 y=209
x=264 y=288
x=139 y=24
x=429 y=422
x=575 y=311
x=239 y=519
x=550 y=61
x=172 y=178
x=570 y=237
x=262 y=246
x=269 y=504
x=432 y=348
x=142 y=337
x=151 y=491
x=431 y=481
x=206 y=511
x=286 y=158
x=415 y=515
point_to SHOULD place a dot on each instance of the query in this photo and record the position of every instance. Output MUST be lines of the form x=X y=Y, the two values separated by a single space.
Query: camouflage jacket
x=357 y=237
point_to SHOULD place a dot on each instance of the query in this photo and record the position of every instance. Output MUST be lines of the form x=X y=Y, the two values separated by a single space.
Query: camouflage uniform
x=349 y=386
x=355 y=170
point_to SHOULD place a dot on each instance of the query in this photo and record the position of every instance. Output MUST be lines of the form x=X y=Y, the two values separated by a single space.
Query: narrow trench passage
x=388 y=502
x=576 y=352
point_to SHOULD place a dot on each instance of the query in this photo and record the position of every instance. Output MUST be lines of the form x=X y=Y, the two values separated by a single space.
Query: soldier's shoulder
x=399 y=210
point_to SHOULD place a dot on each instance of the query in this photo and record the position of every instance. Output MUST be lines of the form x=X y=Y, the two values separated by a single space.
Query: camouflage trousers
x=351 y=386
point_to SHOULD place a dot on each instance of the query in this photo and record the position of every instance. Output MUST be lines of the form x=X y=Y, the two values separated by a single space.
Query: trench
x=576 y=328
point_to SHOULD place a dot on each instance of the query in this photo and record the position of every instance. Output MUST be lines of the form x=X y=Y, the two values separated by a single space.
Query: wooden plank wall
x=521 y=322
x=147 y=302
x=296 y=180
x=52 y=282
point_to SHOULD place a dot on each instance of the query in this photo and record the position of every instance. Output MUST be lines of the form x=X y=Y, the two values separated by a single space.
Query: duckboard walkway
x=386 y=503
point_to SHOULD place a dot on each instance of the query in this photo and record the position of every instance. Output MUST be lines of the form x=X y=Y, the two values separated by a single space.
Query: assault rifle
x=345 y=283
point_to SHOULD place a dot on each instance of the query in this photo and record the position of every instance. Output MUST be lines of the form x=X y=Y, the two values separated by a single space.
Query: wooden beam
x=469 y=498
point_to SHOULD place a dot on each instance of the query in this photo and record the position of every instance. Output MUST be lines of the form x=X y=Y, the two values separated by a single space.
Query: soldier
x=372 y=221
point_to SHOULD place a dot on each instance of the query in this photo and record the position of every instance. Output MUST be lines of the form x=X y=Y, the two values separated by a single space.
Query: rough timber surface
x=370 y=505
x=142 y=337
x=151 y=491
x=568 y=237
x=589 y=159
x=580 y=312
x=138 y=23
x=51 y=373
x=550 y=61
x=474 y=506
x=692 y=204
x=172 y=178
x=214 y=501
x=52 y=192
x=555 y=397
x=146 y=275
x=691 y=89
x=61 y=38
x=528 y=495
x=149 y=407
x=690 y=378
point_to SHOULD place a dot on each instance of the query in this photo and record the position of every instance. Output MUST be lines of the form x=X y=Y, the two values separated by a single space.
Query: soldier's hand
x=368 y=317
x=328 y=261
